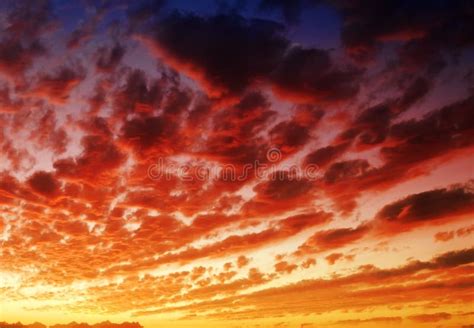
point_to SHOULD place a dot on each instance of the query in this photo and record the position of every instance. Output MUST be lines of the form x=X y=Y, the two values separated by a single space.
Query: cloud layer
x=155 y=157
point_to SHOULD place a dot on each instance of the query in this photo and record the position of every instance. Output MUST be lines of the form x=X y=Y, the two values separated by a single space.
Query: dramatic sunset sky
x=348 y=127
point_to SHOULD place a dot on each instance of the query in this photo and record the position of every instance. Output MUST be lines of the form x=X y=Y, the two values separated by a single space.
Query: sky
x=270 y=163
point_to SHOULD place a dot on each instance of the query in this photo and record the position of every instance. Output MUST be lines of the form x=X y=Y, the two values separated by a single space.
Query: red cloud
x=57 y=87
x=45 y=184
x=79 y=206
x=334 y=238
x=434 y=317
x=433 y=207
x=96 y=164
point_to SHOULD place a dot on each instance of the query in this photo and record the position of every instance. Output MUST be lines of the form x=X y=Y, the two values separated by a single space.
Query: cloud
x=56 y=87
x=9 y=103
x=16 y=58
x=242 y=261
x=324 y=155
x=137 y=95
x=282 y=187
x=232 y=137
x=335 y=257
x=406 y=145
x=155 y=230
x=427 y=25
x=344 y=170
x=96 y=164
x=50 y=133
x=443 y=236
x=309 y=75
x=369 y=286
x=335 y=238
x=109 y=58
x=44 y=183
x=292 y=135
x=145 y=133
x=219 y=63
x=433 y=317
x=279 y=193
x=429 y=206
x=27 y=21
x=285 y=267
x=23 y=26
x=86 y=110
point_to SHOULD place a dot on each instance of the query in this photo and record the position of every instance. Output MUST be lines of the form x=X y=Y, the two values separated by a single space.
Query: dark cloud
x=159 y=109
x=433 y=207
x=228 y=53
x=330 y=239
x=428 y=26
x=439 y=131
x=44 y=183
x=344 y=170
x=23 y=26
x=417 y=209
x=415 y=91
x=27 y=20
x=109 y=58
x=309 y=75
x=144 y=133
x=16 y=58
x=225 y=52
x=325 y=155
x=453 y=258
x=137 y=95
x=290 y=136
x=232 y=139
x=372 y=126
x=282 y=186
x=374 y=123
x=443 y=133
x=97 y=164
x=57 y=86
